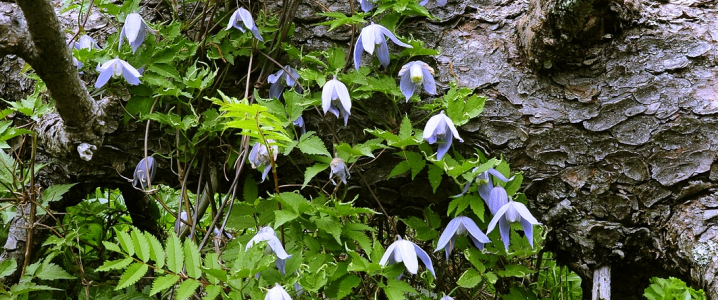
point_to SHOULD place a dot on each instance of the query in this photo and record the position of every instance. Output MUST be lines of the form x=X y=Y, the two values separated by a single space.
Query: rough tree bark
x=609 y=108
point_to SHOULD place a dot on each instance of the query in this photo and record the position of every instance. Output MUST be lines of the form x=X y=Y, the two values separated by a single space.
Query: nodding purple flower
x=440 y=3
x=241 y=19
x=406 y=251
x=339 y=170
x=267 y=234
x=281 y=80
x=366 y=5
x=299 y=123
x=78 y=64
x=144 y=172
x=441 y=128
x=277 y=293
x=374 y=36
x=86 y=42
x=484 y=183
x=446 y=297
x=335 y=99
x=134 y=30
x=513 y=211
x=259 y=156
x=115 y=68
x=459 y=226
x=413 y=75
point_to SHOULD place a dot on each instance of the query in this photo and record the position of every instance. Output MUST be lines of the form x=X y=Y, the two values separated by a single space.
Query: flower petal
x=441 y=2
x=382 y=53
x=276 y=89
x=122 y=34
x=424 y=258
x=140 y=38
x=366 y=5
x=497 y=216
x=358 y=50
x=451 y=126
x=133 y=24
x=387 y=254
x=429 y=83
x=498 y=175
x=497 y=199
x=246 y=17
x=232 y=20
x=505 y=230
x=105 y=76
x=444 y=145
x=407 y=86
x=388 y=33
x=367 y=40
x=448 y=233
x=525 y=213
x=266 y=171
x=327 y=92
x=406 y=252
x=423 y=2
x=474 y=230
x=130 y=69
x=528 y=231
x=430 y=127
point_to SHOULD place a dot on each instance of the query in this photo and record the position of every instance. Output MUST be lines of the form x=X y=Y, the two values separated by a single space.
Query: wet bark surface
x=614 y=126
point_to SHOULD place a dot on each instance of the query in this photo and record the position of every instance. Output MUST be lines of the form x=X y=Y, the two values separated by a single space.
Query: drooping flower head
x=299 y=123
x=484 y=183
x=374 y=36
x=335 y=99
x=513 y=211
x=259 y=156
x=415 y=74
x=366 y=5
x=441 y=128
x=134 y=30
x=144 y=172
x=406 y=251
x=281 y=80
x=277 y=293
x=339 y=170
x=267 y=234
x=440 y=3
x=86 y=42
x=241 y=19
x=115 y=68
x=458 y=226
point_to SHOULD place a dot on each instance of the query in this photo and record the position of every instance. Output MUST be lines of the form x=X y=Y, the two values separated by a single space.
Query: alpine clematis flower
x=513 y=211
x=335 y=99
x=446 y=297
x=115 y=68
x=366 y=5
x=339 y=170
x=414 y=74
x=441 y=128
x=299 y=123
x=86 y=42
x=259 y=156
x=144 y=172
x=459 y=226
x=134 y=30
x=281 y=80
x=440 y=3
x=245 y=17
x=277 y=293
x=267 y=234
x=371 y=37
x=78 y=64
x=406 y=251
x=485 y=184
x=497 y=198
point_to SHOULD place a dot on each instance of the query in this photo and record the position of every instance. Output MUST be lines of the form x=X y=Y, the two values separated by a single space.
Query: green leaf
x=193 y=259
x=469 y=279
x=7 y=267
x=115 y=264
x=399 y=169
x=341 y=19
x=133 y=274
x=55 y=192
x=461 y=108
x=514 y=270
x=313 y=171
x=283 y=216
x=432 y=218
x=297 y=202
x=405 y=130
x=514 y=185
x=250 y=191
x=186 y=289
x=141 y=245
x=330 y=225
x=162 y=283
x=157 y=253
x=396 y=289
x=435 y=174
x=50 y=271
x=111 y=246
x=311 y=144
x=346 y=285
x=175 y=257
x=416 y=162
x=125 y=242
x=165 y=70
x=336 y=58
x=212 y=292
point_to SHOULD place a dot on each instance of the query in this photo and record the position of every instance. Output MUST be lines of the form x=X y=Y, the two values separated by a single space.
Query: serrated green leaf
x=432 y=218
x=435 y=174
x=405 y=130
x=192 y=260
x=133 y=274
x=7 y=267
x=186 y=289
x=399 y=169
x=51 y=271
x=469 y=279
x=346 y=285
x=283 y=216
x=55 y=192
x=311 y=144
x=514 y=185
x=212 y=292
x=313 y=171
x=115 y=264
x=141 y=245
x=250 y=191
x=175 y=256
x=331 y=226
x=157 y=253
x=126 y=242
x=360 y=238
x=416 y=162
x=336 y=58
x=165 y=70
x=163 y=282
x=111 y=246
